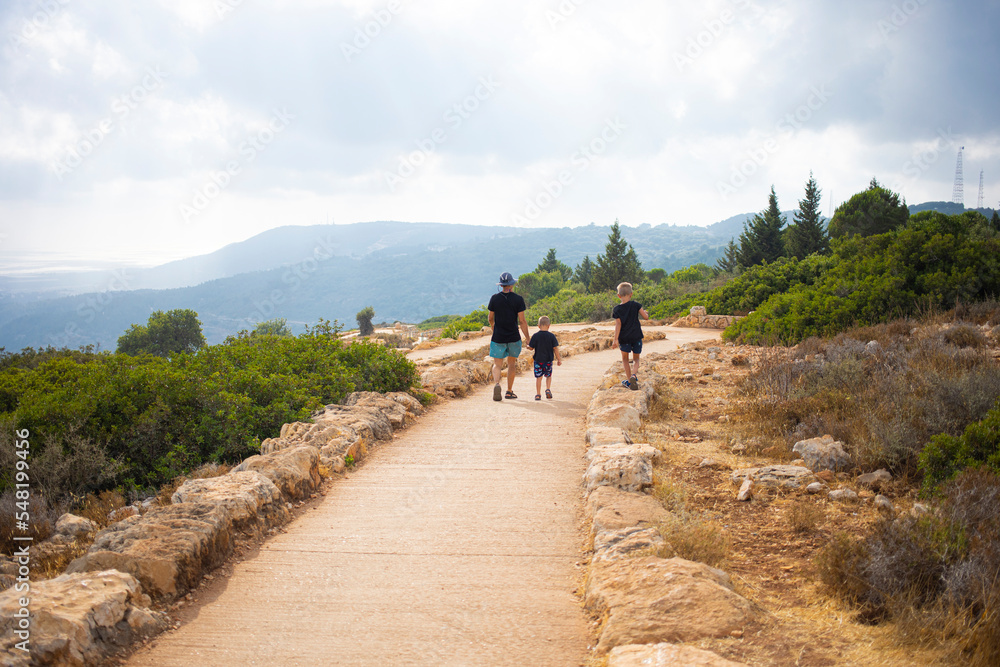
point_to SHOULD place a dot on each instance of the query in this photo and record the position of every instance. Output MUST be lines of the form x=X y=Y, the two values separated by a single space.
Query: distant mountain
x=406 y=271
x=947 y=207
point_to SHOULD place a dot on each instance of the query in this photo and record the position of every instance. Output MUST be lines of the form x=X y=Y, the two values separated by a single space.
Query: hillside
x=406 y=271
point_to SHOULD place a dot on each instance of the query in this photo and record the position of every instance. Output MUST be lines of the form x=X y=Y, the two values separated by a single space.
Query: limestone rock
x=400 y=408
x=647 y=600
x=294 y=471
x=817 y=487
x=611 y=509
x=369 y=423
x=746 y=491
x=628 y=467
x=456 y=378
x=843 y=495
x=606 y=435
x=249 y=499
x=666 y=655
x=167 y=549
x=883 y=504
x=823 y=453
x=622 y=416
x=77 y=618
x=626 y=543
x=73 y=526
x=876 y=481
x=698 y=311
x=775 y=477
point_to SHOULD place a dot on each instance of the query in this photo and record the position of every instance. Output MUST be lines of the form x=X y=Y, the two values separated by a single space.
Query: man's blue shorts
x=634 y=348
x=501 y=350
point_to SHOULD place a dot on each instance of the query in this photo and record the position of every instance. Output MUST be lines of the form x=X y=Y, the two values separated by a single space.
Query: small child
x=628 y=333
x=546 y=347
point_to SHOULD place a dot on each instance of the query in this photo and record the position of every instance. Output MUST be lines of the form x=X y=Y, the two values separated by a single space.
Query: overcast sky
x=147 y=131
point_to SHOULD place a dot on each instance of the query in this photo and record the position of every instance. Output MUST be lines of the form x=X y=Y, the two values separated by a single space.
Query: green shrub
x=474 y=321
x=933 y=262
x=102 y=420
x=945 y=456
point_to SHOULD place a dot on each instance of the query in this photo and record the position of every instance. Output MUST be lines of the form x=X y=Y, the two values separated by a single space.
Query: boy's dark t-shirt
x=505 y=307
x=543 y=343
x=628 y=313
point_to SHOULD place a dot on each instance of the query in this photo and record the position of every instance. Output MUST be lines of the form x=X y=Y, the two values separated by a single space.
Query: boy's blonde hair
x=544 y=321
x=624 y=289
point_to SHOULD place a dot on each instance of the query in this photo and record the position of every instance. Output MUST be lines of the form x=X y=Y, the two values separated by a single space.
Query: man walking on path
x=506 y=316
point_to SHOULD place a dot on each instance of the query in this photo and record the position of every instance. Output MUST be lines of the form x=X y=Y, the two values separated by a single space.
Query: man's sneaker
x=497 y=393
x=633 y=383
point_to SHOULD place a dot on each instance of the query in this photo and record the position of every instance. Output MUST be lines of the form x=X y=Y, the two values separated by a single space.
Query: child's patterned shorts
x=543 y=370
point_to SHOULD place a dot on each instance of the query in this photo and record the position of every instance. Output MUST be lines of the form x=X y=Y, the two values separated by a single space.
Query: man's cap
x=506 y=279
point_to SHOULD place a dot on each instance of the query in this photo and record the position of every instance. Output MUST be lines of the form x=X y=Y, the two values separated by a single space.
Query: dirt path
x=458 y=543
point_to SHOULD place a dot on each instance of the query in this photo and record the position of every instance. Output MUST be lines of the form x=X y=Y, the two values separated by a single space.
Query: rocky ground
x=774 y=537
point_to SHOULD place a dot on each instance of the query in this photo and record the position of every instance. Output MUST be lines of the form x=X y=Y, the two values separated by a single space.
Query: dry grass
x=98 y=508
x=694 y=537
x=672 y=493
x=804 y=516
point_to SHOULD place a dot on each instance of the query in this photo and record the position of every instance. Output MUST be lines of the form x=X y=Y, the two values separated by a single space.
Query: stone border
x=648 y=606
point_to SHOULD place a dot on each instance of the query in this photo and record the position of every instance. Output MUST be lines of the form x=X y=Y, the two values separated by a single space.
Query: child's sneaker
x=626 y=384
x=633 y=383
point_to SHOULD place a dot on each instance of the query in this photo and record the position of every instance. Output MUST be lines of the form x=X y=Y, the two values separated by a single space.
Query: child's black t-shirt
x=628 y=313
x=544 y=344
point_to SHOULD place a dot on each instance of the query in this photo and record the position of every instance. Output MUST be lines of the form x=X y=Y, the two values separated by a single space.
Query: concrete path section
x=458 y=543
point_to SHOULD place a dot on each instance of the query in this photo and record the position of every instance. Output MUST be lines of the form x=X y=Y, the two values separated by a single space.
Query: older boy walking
x=628 y=333
x=506 y=316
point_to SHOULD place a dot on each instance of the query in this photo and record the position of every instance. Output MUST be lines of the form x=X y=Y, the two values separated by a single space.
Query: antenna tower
x=958 y=192
x=979 y=204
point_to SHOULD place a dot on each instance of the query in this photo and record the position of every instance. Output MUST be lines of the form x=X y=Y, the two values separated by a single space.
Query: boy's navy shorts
x=634 y=348
x=543 y=370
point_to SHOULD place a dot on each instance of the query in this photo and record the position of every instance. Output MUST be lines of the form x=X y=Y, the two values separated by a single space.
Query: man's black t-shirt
x=628 y=313
x=543 y=343
x=505 y=307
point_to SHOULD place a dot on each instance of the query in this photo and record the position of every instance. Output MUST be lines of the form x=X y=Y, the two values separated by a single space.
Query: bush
x=104 y=420
x=474 y=321
x=885 y=402
x=940 y=572
x=931 y=263
x=568 y=305
x=945 y=456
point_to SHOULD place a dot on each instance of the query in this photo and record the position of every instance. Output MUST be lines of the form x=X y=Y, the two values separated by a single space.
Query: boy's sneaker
x=633 y=383
x=497 y=393
x=626 y=384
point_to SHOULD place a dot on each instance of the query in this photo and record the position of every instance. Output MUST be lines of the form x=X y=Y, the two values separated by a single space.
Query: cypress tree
x=808 y=233
x=761 y=240
x=618 y=264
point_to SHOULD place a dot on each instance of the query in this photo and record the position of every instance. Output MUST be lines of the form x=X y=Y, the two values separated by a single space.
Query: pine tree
x=995 y=221
x=729 y=261
x=618 y=264
x=877 y=210
x=550 y=264
x=761 y=240
x=584 y=271
x=808 y=233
